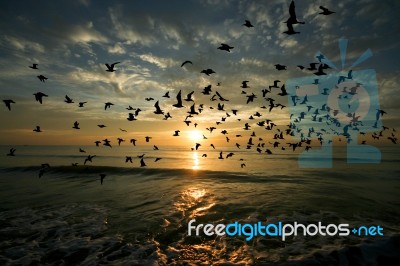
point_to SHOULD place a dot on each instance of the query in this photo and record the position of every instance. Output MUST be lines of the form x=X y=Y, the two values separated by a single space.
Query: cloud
x=22 y=44
x=158 y=61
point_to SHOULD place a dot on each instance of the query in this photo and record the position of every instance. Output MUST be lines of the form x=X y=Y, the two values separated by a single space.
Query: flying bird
x=8 y=103
x=68 y=100
x=107 y=105
x=225 y=47
x=248 y=24
x=42 y=78
x=158 y=110
x=39 y=96
x=102 y=176
x=34 y=66
x=12 y=152
x=179 y=99
x=186 y=62
x=208 y=71
x=76 y=125
x=37 y=129
x=111 y=68
x=325 y=11
x=89 y=159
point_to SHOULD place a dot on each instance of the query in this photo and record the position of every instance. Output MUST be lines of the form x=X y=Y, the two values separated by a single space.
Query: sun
x=195 y=135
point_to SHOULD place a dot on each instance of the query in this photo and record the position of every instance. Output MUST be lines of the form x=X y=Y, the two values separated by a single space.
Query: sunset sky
x=72 y=40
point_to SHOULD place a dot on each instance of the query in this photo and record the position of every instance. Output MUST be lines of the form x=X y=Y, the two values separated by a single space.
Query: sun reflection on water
x=194 y=202
x=196 y=165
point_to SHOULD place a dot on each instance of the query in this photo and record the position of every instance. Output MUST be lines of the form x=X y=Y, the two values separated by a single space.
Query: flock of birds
x=322 y=113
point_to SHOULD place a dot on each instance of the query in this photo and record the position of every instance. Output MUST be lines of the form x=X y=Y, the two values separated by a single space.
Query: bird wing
x=292 y=11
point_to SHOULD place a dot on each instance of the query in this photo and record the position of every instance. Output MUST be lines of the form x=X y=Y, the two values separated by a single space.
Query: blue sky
x=72 y=40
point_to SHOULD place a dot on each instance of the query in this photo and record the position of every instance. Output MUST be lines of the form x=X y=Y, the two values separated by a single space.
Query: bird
x=119 y=141
x=248 y=24
x=280 y=67
x=76 y=125
x=107 y=105
x=37 y=129
x=111 y=68
x=176 y=134
x=186 y=62
x=208 y=71
x=292 y=12
x=34 y=66
x=128 y=159
x=189 y=97
x=131 y=117
x=133 y=141
x=244 y=84
x=82 y=150
x=149 y=99
x=147 y=138
x=197 y=146
x=225 y=47
x=81 y=104
x=89 y=159
x=142 y=163
x=157 y=159
x=107 y=143
x=39 y=96
x=179 y=99
x=8 y=103
x=325 y=11
x=42 y=78
x=290 y=30
x=68 y=100
x=158 y=110
x=102 y=176
x=166 y=95
x=12 y=152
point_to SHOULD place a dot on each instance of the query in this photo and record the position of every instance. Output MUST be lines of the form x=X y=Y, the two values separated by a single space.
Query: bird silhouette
x=37 y=129
x=189 y=97
x=8 y=103
x=111 y=68
x=325 y=11
x=76 y=125
x=131 y=117
x=142 y=163
x=248 y=24
x=208 y=71
x=102 y=176
x=292 y=12
x=68 y=100
x=186 y=62
x=82 y=150
x=42 y=78
x=133 y=141
x=34 y=66
x=12 y=152
x=158 y=110
x=81 y=104
x=166 y=95
x=280 y=67
x=107 y=105
x=39 y=96
x=128 y=159
x=179 y=99
x=225 y=47
x=147 y=138
x=89 y=159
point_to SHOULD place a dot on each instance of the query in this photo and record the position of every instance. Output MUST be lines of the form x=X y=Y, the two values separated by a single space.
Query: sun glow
x=195 y=135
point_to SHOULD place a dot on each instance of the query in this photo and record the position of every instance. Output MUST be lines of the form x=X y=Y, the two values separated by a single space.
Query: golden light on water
x=194 y=202
x=196 y=163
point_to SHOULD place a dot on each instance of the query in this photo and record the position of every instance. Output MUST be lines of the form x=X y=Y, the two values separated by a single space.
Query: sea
x=60 y=214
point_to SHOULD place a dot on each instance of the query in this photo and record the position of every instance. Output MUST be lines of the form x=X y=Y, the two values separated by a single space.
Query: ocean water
x=139 y=215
